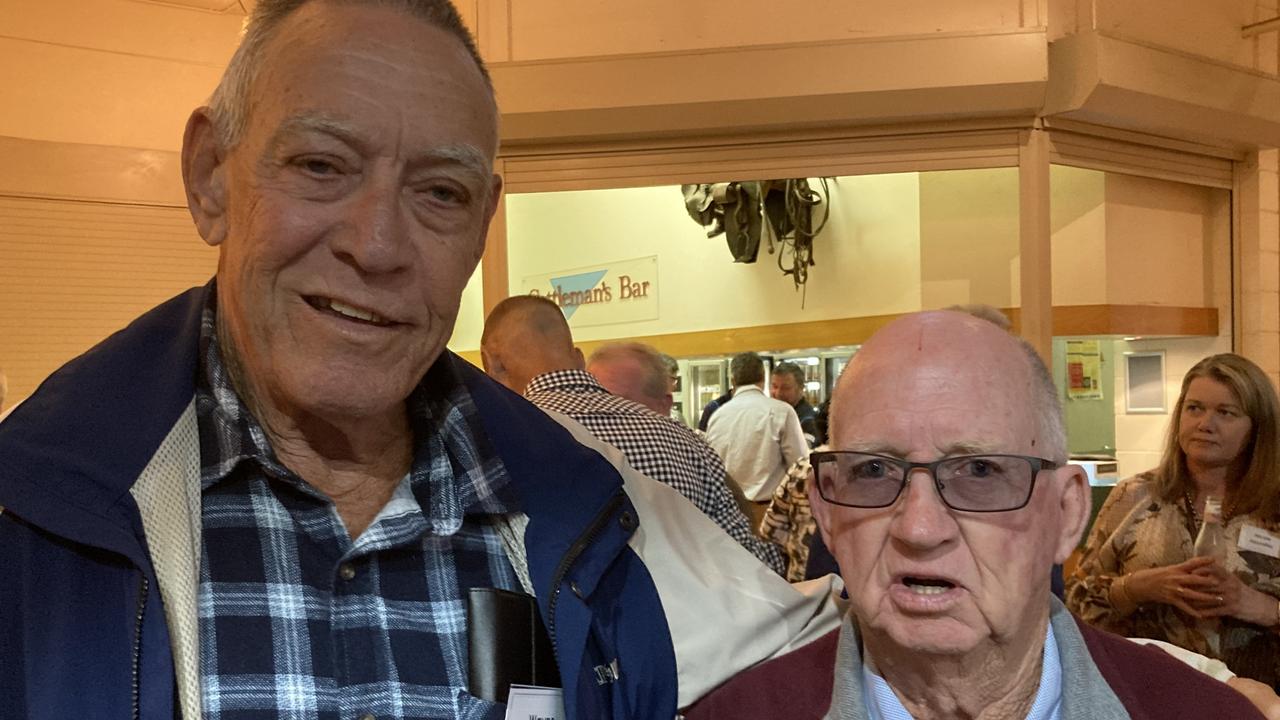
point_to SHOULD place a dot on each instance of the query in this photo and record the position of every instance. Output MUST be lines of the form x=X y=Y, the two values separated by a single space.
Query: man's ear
x=491 y=363
x=819 y=507
x=666 y=402
x=1076 y=502
x=204 y=176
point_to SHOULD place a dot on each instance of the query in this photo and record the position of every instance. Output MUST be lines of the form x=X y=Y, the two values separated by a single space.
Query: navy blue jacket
x=82 y=627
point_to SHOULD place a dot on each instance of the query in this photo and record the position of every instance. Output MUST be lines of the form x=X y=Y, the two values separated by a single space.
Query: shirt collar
x=565 y=380
x=747 y=388
x=455 y=470
x=883 y=704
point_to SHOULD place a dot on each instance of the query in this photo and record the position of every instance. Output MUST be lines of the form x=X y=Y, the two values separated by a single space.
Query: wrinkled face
x=1213 y=428
x=357 y=204
x=783 y=386
x=923 y=578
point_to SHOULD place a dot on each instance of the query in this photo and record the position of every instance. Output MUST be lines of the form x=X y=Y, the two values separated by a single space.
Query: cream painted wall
x=108 y=72
x=1077 y=217
x=1158 y=231
x=575 y=28
x=466 y=332
x=1125 y=240
x=868 y=257
x=968 y=228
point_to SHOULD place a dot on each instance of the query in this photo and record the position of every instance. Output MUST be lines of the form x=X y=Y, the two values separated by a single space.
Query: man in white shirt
x=758 y=437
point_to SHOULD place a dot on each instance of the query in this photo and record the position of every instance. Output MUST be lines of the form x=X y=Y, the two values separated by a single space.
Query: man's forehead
x=929 y=364
x=941 y=344
x=377 y=32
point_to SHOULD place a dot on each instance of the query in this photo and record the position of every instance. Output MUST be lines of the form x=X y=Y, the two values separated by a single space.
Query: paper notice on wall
x=1084 y=370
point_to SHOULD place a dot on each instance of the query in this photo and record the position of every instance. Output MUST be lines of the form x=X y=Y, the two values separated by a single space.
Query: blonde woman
x=1138 y=575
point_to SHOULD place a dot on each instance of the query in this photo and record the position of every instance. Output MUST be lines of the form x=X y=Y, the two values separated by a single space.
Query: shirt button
x=347 y=572
x=368 y=716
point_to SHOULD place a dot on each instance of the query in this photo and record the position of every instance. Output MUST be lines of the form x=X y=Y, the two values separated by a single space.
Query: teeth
x=927 y=586
x=354 y=312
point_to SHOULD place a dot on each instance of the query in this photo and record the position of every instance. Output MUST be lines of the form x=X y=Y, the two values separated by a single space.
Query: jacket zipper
x=585 y=539
x=137 y=649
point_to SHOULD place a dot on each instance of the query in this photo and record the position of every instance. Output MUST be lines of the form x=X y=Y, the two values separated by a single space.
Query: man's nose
x=921 y=519
x=374 y=236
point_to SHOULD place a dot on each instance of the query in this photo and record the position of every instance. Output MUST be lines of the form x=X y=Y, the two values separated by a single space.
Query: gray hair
x=229 y=106
x=652 y=362
x=1047 y=405
x=990 y=313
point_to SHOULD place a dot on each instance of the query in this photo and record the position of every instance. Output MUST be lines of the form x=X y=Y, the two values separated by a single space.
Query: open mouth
x=347 y=312
x=927 y=586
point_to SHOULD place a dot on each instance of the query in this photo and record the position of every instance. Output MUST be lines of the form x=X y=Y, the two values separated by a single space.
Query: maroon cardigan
x=1151 y=684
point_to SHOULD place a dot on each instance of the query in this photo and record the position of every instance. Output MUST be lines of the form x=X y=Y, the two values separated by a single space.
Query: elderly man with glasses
x=946 y=499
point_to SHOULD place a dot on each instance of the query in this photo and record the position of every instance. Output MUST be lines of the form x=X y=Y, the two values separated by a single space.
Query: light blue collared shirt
x=883 y=704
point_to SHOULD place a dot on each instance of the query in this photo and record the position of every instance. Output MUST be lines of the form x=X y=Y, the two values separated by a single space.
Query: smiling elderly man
x=274 y=496
x=946 y=499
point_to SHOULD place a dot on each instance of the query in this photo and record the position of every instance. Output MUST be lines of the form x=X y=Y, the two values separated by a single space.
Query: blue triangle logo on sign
x=582 y=282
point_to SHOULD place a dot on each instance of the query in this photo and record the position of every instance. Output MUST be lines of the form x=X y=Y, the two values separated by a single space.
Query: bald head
x=634 y=371
x=524 y=337
x=956 y=361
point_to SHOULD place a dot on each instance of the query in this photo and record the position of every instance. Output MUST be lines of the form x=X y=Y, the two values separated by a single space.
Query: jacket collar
x=74 y=448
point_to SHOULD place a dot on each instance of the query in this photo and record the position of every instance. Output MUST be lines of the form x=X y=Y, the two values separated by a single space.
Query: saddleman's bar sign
x=617 y=292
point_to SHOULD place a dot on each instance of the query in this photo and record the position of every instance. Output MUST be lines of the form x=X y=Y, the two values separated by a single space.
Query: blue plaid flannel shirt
x=297 y=620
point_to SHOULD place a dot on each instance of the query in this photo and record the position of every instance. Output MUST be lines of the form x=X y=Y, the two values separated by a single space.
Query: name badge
x=1258 y=540
x=529 y=702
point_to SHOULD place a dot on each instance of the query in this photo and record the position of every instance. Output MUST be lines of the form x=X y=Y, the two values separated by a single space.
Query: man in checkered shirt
x=527 y=346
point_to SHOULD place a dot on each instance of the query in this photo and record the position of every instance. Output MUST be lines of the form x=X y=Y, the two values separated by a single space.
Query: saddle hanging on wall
x=731 y=208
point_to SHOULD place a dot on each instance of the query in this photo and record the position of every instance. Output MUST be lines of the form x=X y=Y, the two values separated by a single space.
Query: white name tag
x=528 y=702
x=1259 y=540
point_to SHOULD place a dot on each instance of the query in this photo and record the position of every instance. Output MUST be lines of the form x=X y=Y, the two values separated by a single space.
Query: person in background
x=788 y=522
x=634 y=371
x=527 y=346
x=946 y=498
x=711 y=407
x=787 y=384
x=273 y=496
x=673 y=386
x=1138 y=574
x=758 y=438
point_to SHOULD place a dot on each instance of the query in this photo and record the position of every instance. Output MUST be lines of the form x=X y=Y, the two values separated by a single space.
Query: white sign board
x=617 y=292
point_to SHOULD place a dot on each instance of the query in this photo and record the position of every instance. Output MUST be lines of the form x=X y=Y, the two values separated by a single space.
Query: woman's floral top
x=1135 y=530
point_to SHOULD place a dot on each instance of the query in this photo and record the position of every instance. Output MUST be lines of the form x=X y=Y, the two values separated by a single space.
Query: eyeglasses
x=969 y=483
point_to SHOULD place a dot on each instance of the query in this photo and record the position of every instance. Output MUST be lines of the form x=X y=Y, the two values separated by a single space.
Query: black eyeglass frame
x=1037 y=464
